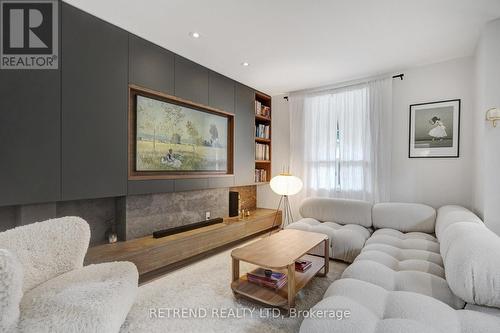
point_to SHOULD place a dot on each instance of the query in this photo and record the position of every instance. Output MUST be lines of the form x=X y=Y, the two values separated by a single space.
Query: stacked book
x=302 y=265
x=274 y=280
x=261 y=151
x=260 y=175
x=262 y=131
x=262 y=110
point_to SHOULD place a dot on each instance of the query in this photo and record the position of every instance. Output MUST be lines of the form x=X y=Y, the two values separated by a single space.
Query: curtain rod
x=352 y=83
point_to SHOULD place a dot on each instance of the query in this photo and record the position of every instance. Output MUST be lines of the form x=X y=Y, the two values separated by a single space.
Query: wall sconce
x=493 y=115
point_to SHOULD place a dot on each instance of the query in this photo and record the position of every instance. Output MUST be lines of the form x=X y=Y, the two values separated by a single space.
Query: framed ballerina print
x=435 y=129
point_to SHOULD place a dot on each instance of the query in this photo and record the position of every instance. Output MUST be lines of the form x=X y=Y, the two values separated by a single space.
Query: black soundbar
x=182 y=228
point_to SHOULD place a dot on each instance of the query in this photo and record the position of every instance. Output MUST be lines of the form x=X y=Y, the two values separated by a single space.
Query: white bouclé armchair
x=44 y=286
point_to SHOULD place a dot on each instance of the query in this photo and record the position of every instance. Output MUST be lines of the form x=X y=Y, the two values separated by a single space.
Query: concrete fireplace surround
x=134 y=216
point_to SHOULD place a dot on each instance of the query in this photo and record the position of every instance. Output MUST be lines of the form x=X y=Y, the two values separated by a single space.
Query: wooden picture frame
x=434 y=130
x=134 y=174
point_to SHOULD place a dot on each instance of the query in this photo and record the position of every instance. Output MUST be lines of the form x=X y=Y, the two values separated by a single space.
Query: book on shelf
x=260 y=175
x=262 y=110
x=262 y=151
x=262 y=131
x=275 y=280
x=302 y=265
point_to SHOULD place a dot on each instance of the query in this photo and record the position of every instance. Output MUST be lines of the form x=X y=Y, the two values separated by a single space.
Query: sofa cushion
x=49 y=248
x=405 y=235
x=422 y=242
x=450 y=214
x=453 y=234
x=11 y=290
x=95 y=298
x=346 y=241
x=405 y=217
x=408 y=243
x=471 y=263
x=376 y=310
x=405 y=254
x=342 y=211
x=402 y=265
x=414 y=281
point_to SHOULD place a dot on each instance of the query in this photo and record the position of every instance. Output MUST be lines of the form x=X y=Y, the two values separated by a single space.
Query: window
x=340 y=141
x=337 y=143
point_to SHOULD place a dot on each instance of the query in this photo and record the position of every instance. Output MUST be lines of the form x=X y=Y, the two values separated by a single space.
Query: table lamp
x=285 y=184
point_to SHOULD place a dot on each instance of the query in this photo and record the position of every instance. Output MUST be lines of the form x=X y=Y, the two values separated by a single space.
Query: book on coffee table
x=302 y=265
x=275 y=280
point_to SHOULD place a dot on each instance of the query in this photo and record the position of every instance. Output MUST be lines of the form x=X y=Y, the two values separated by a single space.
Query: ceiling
x=297 y=44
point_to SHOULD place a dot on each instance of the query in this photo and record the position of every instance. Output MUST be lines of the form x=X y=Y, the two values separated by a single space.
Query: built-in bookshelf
x=262 y=138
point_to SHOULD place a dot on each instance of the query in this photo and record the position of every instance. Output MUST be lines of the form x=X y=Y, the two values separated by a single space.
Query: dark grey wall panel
x=221 y=92
x=191 y=80
x=150 y=186
x=244 y=143
x=8 y=217
x=94 y=107
x=191 y=184
x=150 y=66
x=30 y=136
x=221 y=182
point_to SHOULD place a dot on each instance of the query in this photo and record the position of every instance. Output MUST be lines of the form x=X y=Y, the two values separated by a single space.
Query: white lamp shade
x=286 y=184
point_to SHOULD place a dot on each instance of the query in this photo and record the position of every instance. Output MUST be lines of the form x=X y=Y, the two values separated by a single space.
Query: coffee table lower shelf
x=278 y=297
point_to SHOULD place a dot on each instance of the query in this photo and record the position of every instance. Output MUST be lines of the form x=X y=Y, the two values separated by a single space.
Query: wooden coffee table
x=278 y=252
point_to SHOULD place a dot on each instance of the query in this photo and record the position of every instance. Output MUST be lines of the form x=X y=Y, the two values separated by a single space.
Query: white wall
x=431 y=180
x=266 y=198
x=487 y=166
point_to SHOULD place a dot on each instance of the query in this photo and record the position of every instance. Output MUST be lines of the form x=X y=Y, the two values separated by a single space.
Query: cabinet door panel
x=221 y=92
x=150 y=66
x=150 y=186
x=94 y=106
x=191 y=81
x=190 y=184
x=215 y=182
x=244 y=143
x=30 y=136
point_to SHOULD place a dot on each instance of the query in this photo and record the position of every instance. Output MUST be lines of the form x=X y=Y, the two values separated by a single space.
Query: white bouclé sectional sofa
x=418 y=270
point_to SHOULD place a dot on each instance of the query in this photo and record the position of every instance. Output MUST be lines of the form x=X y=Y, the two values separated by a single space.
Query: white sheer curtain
x=340 y=141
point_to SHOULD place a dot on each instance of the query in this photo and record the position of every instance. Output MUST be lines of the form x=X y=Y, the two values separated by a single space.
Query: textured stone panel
x=99 y=213
x=152 y=212
x=248 y=196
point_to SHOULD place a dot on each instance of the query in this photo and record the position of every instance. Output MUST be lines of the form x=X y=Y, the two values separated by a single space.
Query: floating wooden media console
x=150 y=254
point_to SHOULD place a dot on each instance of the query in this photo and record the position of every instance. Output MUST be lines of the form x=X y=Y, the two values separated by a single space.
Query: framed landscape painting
x=174 y=138
x=435 y=129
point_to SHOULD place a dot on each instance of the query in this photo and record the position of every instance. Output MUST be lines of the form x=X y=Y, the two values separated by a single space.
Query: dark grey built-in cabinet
x=244 y=150
x=30 y=136
x=63 y=133
x=150 y=66
x=94 y=107
x=191 y=81
x=221 y=94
